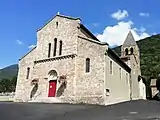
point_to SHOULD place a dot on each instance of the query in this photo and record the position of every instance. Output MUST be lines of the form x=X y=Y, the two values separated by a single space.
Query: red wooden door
x=52 y=88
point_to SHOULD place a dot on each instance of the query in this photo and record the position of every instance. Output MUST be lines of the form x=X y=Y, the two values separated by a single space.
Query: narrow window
x=111 y=67
x=49 y=49
x=107 y=92
x=120 y=73
x=126 y=77
x=28 y=71
x=87 y=65
x=56 y=24
x=60 y=48
x=131 y=50
x=126 y=51
x=55 y=47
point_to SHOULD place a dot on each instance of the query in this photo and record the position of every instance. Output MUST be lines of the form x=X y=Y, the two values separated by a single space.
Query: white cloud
x=141 y=29
x=19 y=42
x=120 y=14
x=144 y=14
x=115 y=35
x=155 y=33
x=31 y=46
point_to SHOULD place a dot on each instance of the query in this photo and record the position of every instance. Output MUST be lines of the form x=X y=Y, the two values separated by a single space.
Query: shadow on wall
x=61 y=90
x=156 y=97
x=34 y=90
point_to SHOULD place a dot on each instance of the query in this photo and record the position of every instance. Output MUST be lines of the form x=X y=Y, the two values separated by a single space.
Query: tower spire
x=129 y=41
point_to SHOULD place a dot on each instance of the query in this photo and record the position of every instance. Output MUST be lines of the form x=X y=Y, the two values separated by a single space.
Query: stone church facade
x=70 y=65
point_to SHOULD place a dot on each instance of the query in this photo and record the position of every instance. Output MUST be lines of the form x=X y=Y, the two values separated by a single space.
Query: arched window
x=126 y=51
x=55 y=47
x=49 y=49
x=56 y=24
x=60 y=47
x=131 y=50
x=28 y=72
x=87 y=65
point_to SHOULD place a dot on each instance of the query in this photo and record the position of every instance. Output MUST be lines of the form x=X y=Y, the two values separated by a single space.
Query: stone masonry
x=105 y=83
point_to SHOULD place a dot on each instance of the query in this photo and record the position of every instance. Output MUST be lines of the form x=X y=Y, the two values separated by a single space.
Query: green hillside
x=9 y=72
x=150 y=55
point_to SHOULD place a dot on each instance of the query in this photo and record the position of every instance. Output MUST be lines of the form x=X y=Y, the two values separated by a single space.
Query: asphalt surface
x=134 y=110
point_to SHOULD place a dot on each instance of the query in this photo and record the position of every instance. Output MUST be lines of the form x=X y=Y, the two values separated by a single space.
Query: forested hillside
x=9 y=72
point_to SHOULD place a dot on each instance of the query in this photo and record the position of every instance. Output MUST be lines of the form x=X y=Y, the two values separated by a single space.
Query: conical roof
x=130 y=41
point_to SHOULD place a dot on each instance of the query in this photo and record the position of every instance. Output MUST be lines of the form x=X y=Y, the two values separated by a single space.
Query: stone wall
x=90 y=86
x=66 y=31
x=134 y=78
x=65 y=67
x=23 y=86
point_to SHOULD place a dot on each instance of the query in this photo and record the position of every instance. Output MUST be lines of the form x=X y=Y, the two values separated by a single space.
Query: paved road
x=134 y=110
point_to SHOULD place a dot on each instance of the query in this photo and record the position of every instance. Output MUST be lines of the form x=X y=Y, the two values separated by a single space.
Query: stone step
x=46 y=100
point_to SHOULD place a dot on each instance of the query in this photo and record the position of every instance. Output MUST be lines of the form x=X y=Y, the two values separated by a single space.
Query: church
x=70 y=65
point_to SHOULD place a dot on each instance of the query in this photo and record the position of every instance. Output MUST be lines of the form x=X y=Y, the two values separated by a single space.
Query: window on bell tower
x=131 y=50
x=126 y=51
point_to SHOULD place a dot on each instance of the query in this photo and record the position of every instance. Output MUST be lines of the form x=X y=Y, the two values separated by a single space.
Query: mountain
x=149 y=54
x=9 y=72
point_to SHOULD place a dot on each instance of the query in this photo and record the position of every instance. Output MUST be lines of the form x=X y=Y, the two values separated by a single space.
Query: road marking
x=133 y=112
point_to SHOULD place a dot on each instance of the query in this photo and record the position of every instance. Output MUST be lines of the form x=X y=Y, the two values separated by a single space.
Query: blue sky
x=105 y=18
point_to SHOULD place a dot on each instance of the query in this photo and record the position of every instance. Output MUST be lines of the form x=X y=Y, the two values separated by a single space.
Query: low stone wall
x=6 y=96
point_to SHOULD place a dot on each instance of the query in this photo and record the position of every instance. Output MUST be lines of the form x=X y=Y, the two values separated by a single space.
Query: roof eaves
x=119 y=59
x=88 y=32
x=92 y=40
x=27 y=53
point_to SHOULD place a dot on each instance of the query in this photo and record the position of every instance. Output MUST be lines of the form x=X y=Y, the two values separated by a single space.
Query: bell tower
x=130 y=54
x=130 y=49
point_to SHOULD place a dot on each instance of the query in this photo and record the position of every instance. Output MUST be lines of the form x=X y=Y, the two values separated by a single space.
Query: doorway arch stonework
x=52 y=75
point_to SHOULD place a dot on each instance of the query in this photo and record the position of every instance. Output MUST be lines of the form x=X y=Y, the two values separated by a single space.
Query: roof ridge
x=70 y=17
x=58 y=14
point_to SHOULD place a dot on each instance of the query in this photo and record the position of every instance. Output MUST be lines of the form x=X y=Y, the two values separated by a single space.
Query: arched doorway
x=53 y=75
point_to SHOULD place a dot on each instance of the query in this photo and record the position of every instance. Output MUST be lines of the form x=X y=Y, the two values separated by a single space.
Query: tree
x=13 y=84
x=7 y=85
